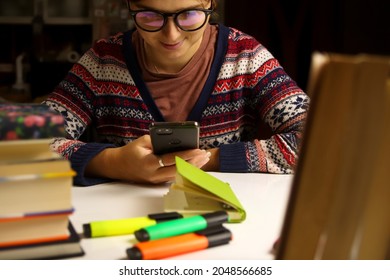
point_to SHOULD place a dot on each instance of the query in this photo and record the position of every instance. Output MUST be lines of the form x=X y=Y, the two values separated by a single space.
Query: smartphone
x=168 y=137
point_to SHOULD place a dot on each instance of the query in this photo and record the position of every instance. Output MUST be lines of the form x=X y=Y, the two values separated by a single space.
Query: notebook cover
x=209 y=184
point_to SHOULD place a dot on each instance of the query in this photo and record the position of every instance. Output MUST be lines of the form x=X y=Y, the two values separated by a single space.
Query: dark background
x=292 y=29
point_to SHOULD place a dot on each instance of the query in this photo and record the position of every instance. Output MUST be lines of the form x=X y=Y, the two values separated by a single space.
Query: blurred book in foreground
x=65 y=248
x=339 y=206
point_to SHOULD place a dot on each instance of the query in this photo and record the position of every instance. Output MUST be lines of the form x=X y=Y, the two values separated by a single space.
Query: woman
x=176 y=66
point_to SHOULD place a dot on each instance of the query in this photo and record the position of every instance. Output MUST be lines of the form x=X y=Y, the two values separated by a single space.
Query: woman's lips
x=174 y=46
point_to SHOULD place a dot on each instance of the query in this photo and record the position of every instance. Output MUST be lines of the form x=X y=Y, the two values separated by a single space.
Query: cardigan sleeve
x=80 y=159
x=73 y=98
x=265 y=97
x=276 y=154
x=284 y=111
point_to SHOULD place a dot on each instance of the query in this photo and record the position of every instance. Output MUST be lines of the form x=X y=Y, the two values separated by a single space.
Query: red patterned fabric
x=246 y=91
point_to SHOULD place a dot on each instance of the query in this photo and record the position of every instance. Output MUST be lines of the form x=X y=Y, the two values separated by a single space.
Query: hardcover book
x=26 y=150
x=34 y=228
x=339 y=206
x=66 y=248
x=196 y=192
x=35 y=187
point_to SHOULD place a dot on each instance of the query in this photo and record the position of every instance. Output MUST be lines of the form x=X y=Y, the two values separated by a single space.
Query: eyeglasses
x=186 y=20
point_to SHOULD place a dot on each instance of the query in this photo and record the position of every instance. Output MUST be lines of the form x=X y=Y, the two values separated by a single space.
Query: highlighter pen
x=127 y=225
x=181 y=226
x=181 y=244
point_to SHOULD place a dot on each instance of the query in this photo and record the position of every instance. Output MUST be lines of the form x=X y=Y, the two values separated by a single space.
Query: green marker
x=181 y=226
x=126 y=226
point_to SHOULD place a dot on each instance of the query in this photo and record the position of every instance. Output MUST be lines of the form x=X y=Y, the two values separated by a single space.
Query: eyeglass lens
x=187 y=20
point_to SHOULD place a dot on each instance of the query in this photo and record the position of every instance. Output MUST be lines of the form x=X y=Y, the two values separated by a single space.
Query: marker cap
x=216 y=218
x=87 y=230
x=162 y=217
x=134 y=253
x=142 y=235
x=217 y=235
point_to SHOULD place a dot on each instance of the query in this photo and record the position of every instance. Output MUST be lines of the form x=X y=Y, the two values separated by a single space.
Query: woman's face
x=171 y=43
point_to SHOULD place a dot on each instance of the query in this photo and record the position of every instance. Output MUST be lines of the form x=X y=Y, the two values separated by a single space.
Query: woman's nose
x=171 y=30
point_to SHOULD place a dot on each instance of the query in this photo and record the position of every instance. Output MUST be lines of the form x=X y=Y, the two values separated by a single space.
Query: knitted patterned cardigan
x=246 y=92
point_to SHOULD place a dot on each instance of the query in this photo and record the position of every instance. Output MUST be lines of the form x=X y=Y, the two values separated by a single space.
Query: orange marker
x=180 y=244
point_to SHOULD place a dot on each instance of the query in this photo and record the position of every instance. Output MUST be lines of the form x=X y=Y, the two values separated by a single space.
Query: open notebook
x=339 y=206
x=196 y=192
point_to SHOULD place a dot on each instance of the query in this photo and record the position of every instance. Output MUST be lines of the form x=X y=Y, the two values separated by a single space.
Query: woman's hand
x=136 y=162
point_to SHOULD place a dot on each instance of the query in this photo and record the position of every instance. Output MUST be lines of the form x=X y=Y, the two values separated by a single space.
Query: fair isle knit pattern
x=246 y=91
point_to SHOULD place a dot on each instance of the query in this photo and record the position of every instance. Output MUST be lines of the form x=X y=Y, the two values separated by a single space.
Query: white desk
x=264 y=196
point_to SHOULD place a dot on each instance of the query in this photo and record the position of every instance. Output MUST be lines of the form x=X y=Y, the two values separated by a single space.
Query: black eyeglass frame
x=165 y=16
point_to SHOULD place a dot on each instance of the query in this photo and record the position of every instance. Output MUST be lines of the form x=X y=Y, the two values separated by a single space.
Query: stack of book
x=35 y=186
